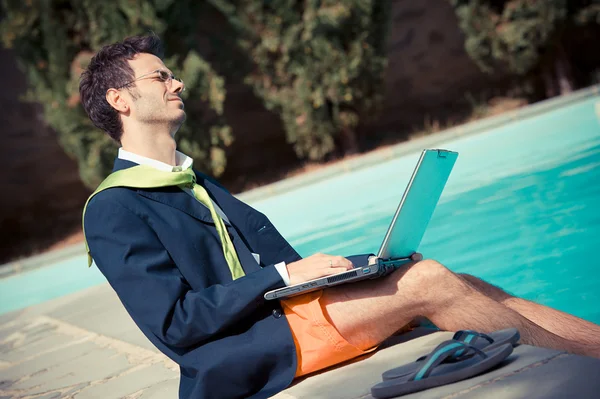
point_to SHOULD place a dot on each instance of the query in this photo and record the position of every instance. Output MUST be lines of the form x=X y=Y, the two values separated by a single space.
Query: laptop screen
x=417 y=204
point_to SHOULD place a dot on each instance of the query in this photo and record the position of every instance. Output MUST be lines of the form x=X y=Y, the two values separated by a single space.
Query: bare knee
x=429 y=269
x=429 y=273
x=431 y=286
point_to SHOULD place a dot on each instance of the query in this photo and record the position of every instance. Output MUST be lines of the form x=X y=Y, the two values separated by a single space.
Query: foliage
x=318 y=64
x=520 y=34
x=55 y=40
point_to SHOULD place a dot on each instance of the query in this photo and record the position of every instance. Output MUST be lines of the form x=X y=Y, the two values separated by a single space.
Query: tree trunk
x=563 y=72
x=548 y=78
x=349 y=141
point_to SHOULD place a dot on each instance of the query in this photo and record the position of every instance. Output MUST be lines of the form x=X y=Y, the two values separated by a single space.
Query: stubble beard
x=163 y=117
x=176 y=122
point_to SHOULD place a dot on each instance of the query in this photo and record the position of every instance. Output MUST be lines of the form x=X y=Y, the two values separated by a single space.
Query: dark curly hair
x=109 y=68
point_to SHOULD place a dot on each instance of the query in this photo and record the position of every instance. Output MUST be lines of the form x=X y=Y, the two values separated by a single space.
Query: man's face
x=155 y=101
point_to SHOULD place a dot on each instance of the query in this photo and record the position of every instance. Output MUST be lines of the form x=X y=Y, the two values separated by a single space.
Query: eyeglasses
x=163 y=76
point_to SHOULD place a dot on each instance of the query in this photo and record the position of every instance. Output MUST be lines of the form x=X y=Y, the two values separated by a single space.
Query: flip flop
x=472 y=338
x=435 y=372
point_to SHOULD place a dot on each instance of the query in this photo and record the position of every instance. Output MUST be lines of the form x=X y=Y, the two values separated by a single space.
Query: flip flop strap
x=470 y=337
x=440 y=354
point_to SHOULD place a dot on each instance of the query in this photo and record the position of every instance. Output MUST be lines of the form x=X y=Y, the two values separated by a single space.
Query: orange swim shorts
x=318 y=342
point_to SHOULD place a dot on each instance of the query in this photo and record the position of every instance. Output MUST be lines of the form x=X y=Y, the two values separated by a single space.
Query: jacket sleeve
x=150 y=286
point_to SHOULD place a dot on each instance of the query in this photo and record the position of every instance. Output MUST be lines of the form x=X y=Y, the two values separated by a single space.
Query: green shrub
x=318 y=64
x=54 y=41
x=525 y=37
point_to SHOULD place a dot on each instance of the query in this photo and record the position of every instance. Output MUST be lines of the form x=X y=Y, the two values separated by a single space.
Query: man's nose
x=177 y=86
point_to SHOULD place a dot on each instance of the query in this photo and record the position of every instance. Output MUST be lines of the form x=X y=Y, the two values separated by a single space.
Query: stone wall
x=428 y=74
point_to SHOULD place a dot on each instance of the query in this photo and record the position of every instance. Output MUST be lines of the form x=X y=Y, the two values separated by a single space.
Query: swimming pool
x=520 y=210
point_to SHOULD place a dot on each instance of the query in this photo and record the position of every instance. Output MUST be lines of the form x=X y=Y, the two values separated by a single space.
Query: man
x=162 y=250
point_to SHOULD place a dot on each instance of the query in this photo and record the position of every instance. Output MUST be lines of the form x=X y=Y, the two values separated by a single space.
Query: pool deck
x=84 y=345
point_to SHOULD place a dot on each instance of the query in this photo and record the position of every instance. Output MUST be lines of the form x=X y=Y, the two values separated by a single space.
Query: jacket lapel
x=228 y=203
x=178 y=199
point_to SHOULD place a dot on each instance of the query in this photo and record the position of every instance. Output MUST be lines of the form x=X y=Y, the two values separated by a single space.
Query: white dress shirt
x=184 y=162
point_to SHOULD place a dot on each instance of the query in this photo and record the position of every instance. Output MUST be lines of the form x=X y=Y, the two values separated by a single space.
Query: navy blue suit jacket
x=160 y=251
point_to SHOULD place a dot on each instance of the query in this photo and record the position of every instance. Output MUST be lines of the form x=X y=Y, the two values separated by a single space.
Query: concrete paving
x=85 y=345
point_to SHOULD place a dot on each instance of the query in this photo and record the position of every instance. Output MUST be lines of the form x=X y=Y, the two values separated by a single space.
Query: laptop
x=405 y=231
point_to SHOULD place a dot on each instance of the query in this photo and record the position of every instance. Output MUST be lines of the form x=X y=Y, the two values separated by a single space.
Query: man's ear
x=116 y=100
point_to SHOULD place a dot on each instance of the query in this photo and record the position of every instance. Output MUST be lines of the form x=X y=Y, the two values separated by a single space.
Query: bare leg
x=369 y=312
x=560 y=323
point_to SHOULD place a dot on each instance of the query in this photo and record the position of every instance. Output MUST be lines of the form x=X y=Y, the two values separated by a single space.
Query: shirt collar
x=183 y=161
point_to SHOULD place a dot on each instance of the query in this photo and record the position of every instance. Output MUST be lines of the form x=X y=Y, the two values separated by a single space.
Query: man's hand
x=315 y=266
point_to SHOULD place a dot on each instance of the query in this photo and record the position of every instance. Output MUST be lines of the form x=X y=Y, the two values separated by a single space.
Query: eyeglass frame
x=170 y=78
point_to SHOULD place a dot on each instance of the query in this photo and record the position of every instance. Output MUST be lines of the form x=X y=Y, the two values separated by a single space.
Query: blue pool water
x=520 y=210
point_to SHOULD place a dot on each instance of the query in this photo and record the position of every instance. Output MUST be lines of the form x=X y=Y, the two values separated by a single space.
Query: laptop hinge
x=386 y=266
